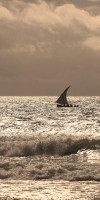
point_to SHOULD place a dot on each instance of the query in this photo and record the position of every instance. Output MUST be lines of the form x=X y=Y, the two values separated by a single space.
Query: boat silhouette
x=62 y=100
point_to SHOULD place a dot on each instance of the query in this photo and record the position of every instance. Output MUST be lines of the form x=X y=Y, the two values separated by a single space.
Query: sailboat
x=62 y=100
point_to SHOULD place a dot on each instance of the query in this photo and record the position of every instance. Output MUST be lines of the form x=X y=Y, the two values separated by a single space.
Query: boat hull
x=68 y=106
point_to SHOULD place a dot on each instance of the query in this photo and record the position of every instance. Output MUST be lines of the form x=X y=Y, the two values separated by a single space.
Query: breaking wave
x=61 y=146
x=60 y=158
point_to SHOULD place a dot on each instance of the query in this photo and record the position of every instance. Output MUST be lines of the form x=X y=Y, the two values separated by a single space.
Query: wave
x=61 y=146
x=70 y=168
x=49 y=158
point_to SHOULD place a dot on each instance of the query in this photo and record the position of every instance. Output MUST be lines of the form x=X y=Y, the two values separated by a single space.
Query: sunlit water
x=53 y=177
x=51 y=190
x=39 y=115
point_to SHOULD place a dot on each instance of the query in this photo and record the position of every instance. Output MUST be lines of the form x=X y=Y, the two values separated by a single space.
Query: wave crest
x=61 y=146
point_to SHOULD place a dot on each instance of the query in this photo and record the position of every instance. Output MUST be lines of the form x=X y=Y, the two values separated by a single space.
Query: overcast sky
x=47 y=45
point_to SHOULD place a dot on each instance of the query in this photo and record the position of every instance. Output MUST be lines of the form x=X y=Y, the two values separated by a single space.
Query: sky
x=48 y=45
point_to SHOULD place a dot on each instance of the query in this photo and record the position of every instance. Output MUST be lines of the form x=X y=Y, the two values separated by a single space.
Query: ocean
x=48 y=152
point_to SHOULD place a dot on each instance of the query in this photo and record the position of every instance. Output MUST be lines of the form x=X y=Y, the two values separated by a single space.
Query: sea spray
x=60 y=146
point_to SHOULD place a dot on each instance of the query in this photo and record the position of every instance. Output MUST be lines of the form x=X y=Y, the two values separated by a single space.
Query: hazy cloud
x=44 y=15
x=5 y=13
x=93 y=0
x=93 y=43
x=47 y=43
x=30 y=49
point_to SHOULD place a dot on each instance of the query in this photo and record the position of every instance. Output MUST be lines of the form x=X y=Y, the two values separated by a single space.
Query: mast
x=62 y=99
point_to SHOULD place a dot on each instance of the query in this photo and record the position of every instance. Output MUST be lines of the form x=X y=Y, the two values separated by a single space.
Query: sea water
x=28 y=116
x=51 y=152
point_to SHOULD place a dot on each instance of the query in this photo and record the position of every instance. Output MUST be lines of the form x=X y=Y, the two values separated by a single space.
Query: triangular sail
x=62 y=99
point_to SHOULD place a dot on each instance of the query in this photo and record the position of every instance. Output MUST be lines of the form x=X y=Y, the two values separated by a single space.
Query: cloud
x=92 y=43
x=47 y=16
x=5 y=13
x=65 y=15
x=38 y=27
x=47 y=44
x=93 y=0
x=29 y=48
